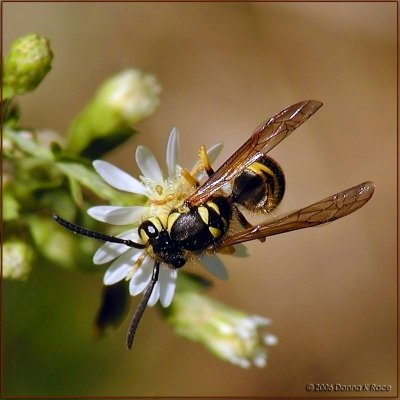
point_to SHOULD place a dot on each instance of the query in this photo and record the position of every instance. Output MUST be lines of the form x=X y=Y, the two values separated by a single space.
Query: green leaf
x=190 y=282
x=58 y=201
x=27 y=142
x=102 y=145
x=11 y=113
x=76 y=191
x=10 y=206
x=55 y=243
x=61 y=246
x=92 y=181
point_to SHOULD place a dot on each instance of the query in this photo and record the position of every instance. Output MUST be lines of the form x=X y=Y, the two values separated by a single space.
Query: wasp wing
x=326 y=210
x=263 y=139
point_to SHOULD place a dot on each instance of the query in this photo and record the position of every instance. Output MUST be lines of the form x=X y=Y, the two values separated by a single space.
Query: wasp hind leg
x=244 y=223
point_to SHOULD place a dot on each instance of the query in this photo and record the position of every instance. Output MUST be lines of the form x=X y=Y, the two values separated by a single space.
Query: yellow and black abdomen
x=259 y=187
x=201 y=226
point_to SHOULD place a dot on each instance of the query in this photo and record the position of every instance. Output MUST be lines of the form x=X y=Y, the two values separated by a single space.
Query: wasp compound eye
x=147 y=230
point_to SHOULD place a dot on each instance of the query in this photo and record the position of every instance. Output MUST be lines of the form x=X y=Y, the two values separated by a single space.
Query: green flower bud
x=230 y=334
x=17 y=260
x=26 y=64
x=119 y=103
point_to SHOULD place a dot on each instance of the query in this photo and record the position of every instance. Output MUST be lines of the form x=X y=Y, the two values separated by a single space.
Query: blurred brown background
x=225 y=67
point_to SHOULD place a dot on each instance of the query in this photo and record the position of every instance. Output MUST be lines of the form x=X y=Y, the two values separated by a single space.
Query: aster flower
x=230 y=334
x=163 y=193
x=17 y=259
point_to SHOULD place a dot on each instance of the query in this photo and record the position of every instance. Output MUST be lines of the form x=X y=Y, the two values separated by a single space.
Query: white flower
x=231 y=334
x=134 y=94
x=163 y=194
x=17 y=260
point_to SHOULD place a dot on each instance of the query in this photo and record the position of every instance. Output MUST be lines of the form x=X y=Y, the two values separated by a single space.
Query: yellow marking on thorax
x=171 y=220
x=163 y=217
x=204 y=214
x=214 y=207
x=214 y=231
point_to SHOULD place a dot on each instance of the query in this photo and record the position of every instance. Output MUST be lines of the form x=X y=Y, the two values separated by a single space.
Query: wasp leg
x=246 y=224
x=142 y=306
x=205 y=161
x=190 y=178
x=203 y=164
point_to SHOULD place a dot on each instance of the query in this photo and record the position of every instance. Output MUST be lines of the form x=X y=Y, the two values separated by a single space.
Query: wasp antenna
x=142 y=306
x=95 y=235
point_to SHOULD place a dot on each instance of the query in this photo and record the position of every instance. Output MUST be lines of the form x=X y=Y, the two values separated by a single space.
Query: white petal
x=109 y=251
x=99 y=212
x=213 y=151
x=260 y=360
x=172 y=156
x=125 y=215
x=142 y=277
x=167 y=285
x=215 y=266
x=270 y=340
x=120 y=267
x=119 y=179
x=259 y=320
x=148 y=164
x=155 y=295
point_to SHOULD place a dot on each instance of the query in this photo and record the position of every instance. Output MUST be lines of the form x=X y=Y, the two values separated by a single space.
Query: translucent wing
x=326 y=210
x=264 y=138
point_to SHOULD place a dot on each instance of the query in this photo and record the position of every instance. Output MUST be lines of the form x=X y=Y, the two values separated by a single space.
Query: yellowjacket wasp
x=206 y=220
